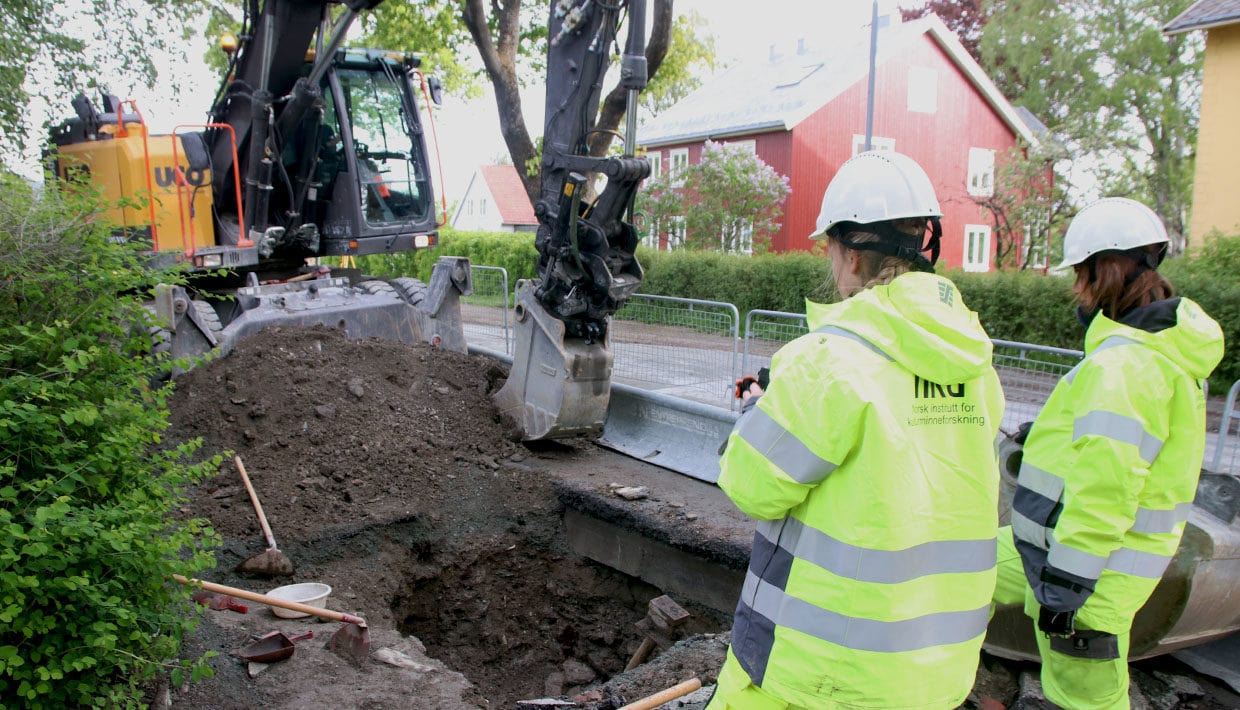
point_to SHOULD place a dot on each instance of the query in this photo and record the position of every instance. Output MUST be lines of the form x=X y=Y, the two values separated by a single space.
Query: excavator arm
x=559 y=384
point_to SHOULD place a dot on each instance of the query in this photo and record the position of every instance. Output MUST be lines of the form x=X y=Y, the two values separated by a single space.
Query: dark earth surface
x=385 y=471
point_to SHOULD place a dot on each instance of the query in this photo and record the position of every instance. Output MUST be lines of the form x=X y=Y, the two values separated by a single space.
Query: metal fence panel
x=680 y=346
x=1029 y=373
x=1226 y=449
x=766 y=332
x=486 y=313
x=694 y=349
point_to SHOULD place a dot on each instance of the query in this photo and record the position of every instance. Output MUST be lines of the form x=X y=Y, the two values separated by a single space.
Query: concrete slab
x=1219 y=659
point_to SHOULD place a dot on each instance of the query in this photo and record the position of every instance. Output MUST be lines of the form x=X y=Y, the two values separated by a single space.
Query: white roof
x=776 y=95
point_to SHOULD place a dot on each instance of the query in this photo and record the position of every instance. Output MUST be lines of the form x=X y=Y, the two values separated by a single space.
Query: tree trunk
x=499 y=56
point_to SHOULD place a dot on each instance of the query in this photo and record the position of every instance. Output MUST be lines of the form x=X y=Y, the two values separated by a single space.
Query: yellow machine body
x=117 y=163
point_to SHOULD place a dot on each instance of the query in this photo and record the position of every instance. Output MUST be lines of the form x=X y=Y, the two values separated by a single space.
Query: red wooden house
x=804 y=113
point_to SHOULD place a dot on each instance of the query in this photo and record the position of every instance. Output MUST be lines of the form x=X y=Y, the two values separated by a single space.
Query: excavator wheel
x=161 y=349
x=411 y=289
x=208 y=316
x=378 y=288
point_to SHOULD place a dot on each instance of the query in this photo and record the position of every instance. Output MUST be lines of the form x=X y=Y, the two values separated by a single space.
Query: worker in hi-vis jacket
x=869 y=464
x=1110 y=465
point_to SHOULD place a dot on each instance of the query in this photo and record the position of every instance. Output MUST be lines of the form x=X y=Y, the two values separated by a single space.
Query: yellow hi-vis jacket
x=1111 y=464
x=870 y=465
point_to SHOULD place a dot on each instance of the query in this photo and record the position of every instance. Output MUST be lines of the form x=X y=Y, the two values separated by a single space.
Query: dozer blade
x=558 y=387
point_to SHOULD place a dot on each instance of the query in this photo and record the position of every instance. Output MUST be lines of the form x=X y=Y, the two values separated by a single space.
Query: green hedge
x=512 y=251
x=88 y=491
x=1012 y=305
x=1023 y=307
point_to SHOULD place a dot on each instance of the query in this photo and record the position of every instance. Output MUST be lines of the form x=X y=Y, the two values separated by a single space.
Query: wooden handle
x=272 y=601
x=653 y=701
x=258 y=507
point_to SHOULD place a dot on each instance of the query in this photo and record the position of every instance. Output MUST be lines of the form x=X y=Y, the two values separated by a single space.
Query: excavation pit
x=504 y=571
x=523 y=621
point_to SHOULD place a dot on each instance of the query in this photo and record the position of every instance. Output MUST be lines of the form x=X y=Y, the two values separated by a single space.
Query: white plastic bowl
x=311 y=593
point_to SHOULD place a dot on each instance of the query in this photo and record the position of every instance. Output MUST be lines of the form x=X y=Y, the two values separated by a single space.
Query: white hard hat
x=874 y=187
x=1111 y=224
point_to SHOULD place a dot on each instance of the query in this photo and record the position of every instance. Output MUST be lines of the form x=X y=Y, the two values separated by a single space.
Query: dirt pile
x=332 y=431
x=385 y=470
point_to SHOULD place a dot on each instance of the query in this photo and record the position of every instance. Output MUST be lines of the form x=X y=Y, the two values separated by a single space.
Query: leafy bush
x=728 y=197
x=1023 y=306
x=1211 y=277
x=87 y=612
x=775 y=282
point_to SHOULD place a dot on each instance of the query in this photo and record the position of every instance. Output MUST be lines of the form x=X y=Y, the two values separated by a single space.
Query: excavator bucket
x=559 y=386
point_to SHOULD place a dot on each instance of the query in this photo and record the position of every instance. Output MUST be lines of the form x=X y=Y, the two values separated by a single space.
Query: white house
x=495 y=201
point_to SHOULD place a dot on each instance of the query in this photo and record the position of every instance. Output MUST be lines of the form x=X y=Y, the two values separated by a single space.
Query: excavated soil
x=385 y=471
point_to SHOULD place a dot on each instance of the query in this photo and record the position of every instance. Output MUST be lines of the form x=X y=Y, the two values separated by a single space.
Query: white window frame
x=651 y=238
x=482 y=206
x=876 y=143
x=744 y=245
x=1034 y=247
x=976 y=248
x=981 y=178
x=675 y=233
x=923 y=90
x=749 y=146
x=678 y=160
x=656 y=164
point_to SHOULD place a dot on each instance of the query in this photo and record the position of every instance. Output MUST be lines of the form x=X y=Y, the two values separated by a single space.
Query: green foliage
x=689 y=57
x=1023 y=307
x=78 y=46
x=773 y=282
x=514 y=252
x=87 y=485
x=730 y=200
x=1105 y=80
x=435 y=31
x=1208 y=276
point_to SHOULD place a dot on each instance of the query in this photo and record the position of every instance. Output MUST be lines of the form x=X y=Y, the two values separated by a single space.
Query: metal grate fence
x=486 y=314
x=1029 y=373
x=1226 y=449
x=695 y=350
x=680 y=346
x=766 y=332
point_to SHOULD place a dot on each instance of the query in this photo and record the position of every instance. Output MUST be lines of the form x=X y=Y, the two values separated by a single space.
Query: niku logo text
x=925 y=389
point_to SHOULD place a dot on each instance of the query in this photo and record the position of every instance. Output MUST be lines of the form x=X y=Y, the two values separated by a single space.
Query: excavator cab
x=373 y=184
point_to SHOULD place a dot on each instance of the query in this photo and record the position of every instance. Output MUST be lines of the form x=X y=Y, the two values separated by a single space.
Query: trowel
x=275 y=646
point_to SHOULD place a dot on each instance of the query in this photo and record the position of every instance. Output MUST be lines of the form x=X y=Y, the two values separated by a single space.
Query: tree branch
x=614 y=105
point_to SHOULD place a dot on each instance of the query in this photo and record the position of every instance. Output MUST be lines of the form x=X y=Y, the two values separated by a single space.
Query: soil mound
x=331 y=429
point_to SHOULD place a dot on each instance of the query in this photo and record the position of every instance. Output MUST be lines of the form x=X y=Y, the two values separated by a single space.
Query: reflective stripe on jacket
x=1111 y=465
x=870 y=465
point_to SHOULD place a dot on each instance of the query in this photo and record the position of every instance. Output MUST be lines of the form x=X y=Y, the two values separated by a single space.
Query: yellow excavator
x=312 y=149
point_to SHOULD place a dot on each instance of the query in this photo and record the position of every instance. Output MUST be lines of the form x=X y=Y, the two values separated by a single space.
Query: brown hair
x=1102 y=283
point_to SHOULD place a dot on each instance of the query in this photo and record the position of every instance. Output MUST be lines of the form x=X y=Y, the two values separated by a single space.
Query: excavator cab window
x=393 y=188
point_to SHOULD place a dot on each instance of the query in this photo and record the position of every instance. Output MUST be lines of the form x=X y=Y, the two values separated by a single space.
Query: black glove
x=743 y=384
x=1057 y=623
